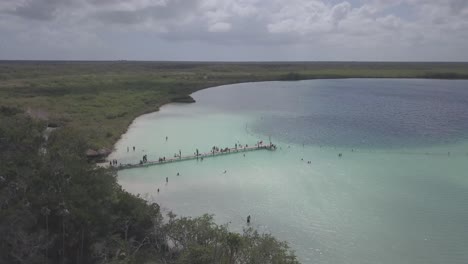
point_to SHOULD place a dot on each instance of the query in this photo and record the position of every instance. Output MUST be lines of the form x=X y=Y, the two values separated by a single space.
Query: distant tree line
x=57 y=207
x=292 y=76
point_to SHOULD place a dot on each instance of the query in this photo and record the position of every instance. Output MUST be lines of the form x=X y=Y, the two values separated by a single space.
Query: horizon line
x=232 y=61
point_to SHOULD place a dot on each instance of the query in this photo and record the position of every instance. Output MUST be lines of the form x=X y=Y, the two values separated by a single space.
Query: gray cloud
x=37 y=9
x=303 y=29
x=121 y=13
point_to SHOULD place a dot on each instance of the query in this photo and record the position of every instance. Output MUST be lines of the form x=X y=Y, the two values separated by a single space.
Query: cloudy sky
x=240 y=30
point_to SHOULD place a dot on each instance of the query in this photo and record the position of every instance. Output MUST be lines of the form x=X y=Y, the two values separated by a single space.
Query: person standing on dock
x=180 y=154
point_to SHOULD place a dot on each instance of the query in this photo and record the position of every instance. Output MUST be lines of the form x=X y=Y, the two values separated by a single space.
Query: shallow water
x=399 y=194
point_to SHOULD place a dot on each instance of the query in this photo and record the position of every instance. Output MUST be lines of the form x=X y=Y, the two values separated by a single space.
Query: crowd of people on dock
x=214 y=150
x=222 y=150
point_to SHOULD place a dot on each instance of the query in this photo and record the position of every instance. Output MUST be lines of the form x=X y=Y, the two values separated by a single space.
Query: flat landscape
x=346 y=125
x=100 y=99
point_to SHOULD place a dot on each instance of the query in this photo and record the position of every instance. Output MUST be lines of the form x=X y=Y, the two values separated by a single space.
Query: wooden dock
x=213 y=153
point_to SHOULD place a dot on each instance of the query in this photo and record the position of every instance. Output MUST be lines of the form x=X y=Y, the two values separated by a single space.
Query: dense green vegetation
x=102 y=98
x=56 y=207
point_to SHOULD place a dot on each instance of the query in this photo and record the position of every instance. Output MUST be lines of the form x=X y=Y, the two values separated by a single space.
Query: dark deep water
x=364 y=113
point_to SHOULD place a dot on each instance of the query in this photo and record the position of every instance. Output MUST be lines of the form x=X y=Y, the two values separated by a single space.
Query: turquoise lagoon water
x=399 y=193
